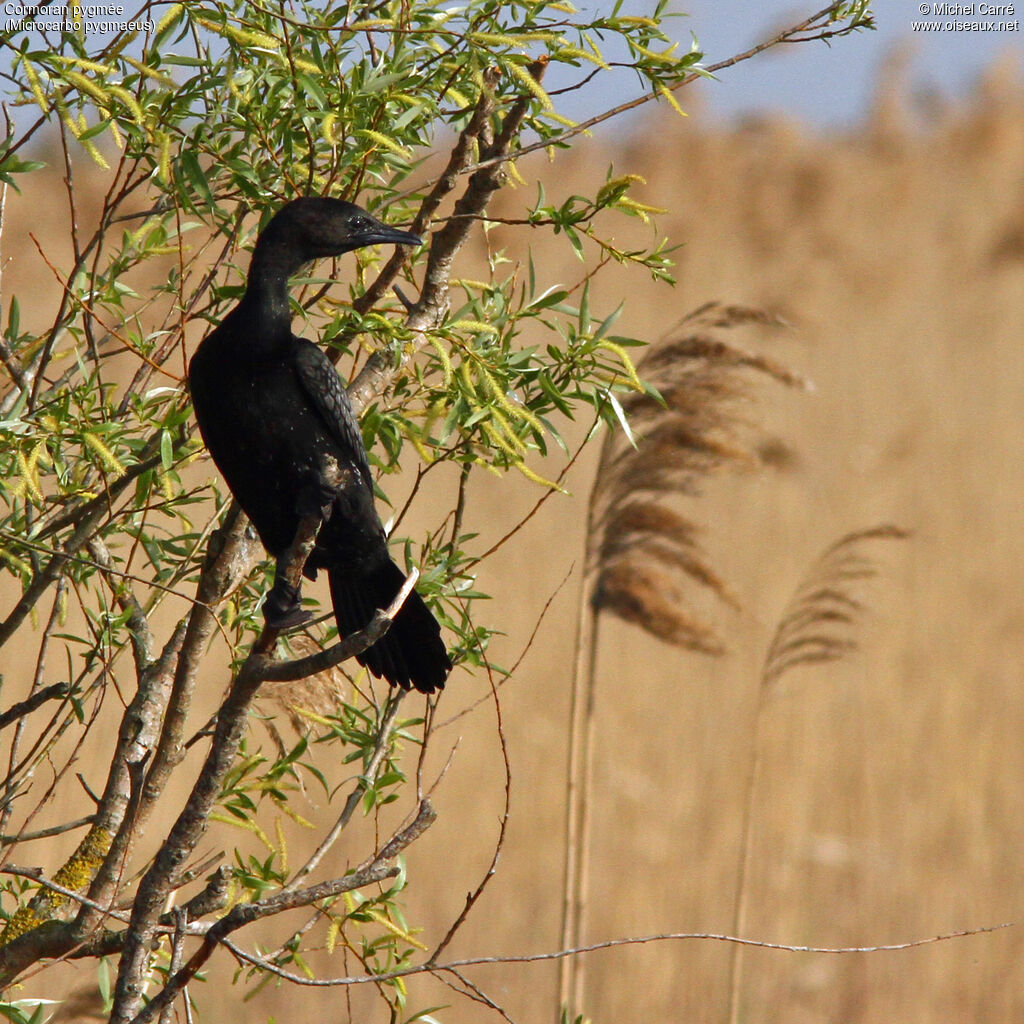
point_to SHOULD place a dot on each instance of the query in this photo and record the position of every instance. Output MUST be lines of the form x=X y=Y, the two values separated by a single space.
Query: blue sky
x=832 y=86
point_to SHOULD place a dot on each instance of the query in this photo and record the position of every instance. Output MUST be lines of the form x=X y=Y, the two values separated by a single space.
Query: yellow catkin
x=163 y=167
x=468 y=386
x=87 y=65
x=16 y=563
x=172 y=12
x=106 y=456
x=327 y=129
x=421 y=450
x=568 y=50
x=283 y=807
x=434 y=412
x=508 y=432
x=498 y=39
x=513 y=173
x=667 y=93
x=312 y=716
x=567 y=121
x=640 y=209
x=247 y=37
x=537 y=478
x=506 y=403
x=385 y=922
x=306 y=65
x=96 y=155
x=383 y=140
x=115 y=133
x=665 y=57
x=459 y=98
x=597 y=53
x=627 y=363
x=333 y=931
x=498 y=440
x=85 y=84
x=156 y=76
x=622 y=179
x=35 y=85
x=244 y=36
x=442 y=355
x=39 y=455
x=123 y=41
x=477 y=326
x=282 y=844
x=28 y=476
x=166 y=486
x=126 y=97
x=529 y=82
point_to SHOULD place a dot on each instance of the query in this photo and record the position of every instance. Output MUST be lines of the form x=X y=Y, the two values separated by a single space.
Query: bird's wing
x=326 y=394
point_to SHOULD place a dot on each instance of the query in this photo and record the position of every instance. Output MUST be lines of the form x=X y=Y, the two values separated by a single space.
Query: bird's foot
x=316 y=499
x=283 y=607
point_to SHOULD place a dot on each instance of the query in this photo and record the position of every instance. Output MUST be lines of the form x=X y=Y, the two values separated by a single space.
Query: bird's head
x=318 y=226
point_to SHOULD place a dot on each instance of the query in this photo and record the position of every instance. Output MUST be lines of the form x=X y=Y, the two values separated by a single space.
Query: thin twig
x=367 y=779
x=47 y=833
x=25 y=707
x=473 y=897
x=639 y=940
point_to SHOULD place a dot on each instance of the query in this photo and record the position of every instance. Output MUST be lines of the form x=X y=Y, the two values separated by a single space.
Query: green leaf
x=13 y=318
x=166 y=450
x=194 y=173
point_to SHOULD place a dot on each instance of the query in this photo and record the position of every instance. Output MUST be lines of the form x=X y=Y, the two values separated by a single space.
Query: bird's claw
x=316 y=499
x=283 y=607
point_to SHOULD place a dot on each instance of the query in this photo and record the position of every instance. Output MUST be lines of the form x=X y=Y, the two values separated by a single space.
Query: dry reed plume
x=643 y=556
x=818 y=626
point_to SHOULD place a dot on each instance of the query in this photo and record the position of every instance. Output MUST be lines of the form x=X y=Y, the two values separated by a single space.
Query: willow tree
x=166 y=140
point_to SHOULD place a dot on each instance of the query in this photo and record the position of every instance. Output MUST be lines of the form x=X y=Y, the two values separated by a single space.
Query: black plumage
x=278 y=424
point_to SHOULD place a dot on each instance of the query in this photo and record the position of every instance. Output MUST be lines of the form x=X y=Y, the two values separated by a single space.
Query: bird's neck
x=265 y=302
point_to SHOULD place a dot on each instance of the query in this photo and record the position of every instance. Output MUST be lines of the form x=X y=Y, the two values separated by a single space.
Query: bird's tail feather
x=411 y=653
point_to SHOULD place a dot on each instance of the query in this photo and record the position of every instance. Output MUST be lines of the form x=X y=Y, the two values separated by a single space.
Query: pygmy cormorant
x=276 y=419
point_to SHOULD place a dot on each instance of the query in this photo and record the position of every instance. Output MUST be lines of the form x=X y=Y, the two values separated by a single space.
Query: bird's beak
x=384 y=235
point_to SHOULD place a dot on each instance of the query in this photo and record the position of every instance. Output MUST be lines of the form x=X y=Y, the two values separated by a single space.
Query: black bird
x=277 y=421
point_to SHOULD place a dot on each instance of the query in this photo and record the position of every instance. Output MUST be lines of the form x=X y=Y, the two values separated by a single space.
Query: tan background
x=891 y=807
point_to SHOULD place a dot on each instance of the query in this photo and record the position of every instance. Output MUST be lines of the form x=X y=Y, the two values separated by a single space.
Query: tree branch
x=374 y=870
x=26 y=707
x=432 y=306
